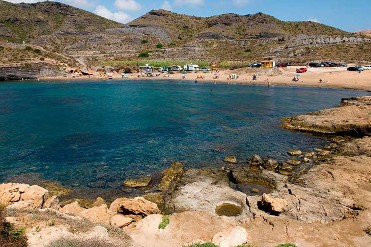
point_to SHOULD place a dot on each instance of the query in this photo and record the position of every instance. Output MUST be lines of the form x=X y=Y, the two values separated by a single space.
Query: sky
x=347 y=15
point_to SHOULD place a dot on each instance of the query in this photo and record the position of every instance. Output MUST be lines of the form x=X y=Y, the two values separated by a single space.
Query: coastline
x=338 y=78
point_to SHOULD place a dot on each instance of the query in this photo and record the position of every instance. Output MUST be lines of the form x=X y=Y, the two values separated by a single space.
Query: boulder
x=137 y=183
x=294 y=152
x=256 y=160
x=293 y=162
x=119 y=220
x=231 y=159
x=233 y=236
x=13 y=192
x=72 y=208
x=52 y=203
x=170 y=175
x=99 y=201
x=285 y=169
x=270 y=164
x=99 y=214
x=272 y=205
x=157 y=198
x=136 y=206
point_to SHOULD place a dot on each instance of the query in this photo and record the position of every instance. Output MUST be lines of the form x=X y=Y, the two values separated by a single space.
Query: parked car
x=205 y=69
x=355 y=68
x=301 y=70
x=316 y=65
x=367 y=67
x=255 y=65
x=282 y=65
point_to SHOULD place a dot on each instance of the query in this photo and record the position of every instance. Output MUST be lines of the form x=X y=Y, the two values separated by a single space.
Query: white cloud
x=313 y=20
x=128 y=5
x=240 y=3
x=78 y=3
x=115 y=16
x=189 y=2
x=166 y=5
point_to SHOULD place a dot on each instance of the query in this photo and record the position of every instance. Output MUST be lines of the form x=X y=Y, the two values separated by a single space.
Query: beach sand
x=337 y=77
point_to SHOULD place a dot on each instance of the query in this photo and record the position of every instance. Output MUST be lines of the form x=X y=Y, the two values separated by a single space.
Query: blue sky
x=344 y=14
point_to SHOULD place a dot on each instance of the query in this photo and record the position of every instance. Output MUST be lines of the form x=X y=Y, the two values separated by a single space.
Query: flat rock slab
x=350 y=118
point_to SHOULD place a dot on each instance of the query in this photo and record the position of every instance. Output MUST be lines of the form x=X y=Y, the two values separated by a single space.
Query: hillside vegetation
x=65 y=34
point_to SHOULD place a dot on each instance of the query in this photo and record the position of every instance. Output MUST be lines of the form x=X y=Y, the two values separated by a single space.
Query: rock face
x=119 y=220
x=272 y=205
x=233 y=236
x=32 y=72
x=34 y=195
x=136 y=206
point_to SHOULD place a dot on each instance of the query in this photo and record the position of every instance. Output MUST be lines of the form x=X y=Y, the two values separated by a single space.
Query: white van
x=367 y=67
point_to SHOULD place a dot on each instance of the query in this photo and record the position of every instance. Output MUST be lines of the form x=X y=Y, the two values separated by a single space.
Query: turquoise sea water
x=98 y=133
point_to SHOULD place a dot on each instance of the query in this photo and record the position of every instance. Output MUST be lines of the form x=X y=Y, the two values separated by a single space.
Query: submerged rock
x=256 y=160
x=137 y=183
x=293 y=162
x=231 y=159
x=294 y=152
x=171 y=175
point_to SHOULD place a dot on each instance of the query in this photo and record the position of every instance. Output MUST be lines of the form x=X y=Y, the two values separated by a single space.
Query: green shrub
x=144 y=41
x=247 y=50
x=159 y=45
x=165 y=221
x=143 y=54
x=286 y=245
x=9 y=236
x=1 y=48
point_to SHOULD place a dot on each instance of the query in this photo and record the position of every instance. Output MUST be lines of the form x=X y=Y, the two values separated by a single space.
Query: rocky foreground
x=319 y=198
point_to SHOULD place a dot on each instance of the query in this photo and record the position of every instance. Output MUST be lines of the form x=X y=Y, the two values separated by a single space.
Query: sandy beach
x=337 y=77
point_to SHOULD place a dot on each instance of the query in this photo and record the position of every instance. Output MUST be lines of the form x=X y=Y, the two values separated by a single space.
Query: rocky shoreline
x=318 y=198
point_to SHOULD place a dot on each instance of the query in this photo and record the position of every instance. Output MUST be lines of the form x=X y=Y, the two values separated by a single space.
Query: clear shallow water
x=97 y=134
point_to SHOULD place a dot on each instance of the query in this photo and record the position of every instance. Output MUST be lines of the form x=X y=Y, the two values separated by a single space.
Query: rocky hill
x=63 y=34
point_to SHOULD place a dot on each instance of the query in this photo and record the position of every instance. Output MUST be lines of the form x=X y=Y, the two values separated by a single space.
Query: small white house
x=191 y=67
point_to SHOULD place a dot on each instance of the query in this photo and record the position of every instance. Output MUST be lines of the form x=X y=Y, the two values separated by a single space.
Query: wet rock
x=256 y=160
x=54 y=188
x=136 y=206
x=231 y=159
x=137 y=183
x=293 y=162
x=99 y=201
x=157 y=198
x=270 y=164
x=171 y=175
x=255 y=190
x=295 y=152
x=285 y=169
x=306 y=160
x=272 y=205
x=98 y=215
x=233 y=236
x=119 y=220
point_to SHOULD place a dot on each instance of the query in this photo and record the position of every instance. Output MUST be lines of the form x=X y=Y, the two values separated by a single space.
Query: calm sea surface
x=96 y=134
